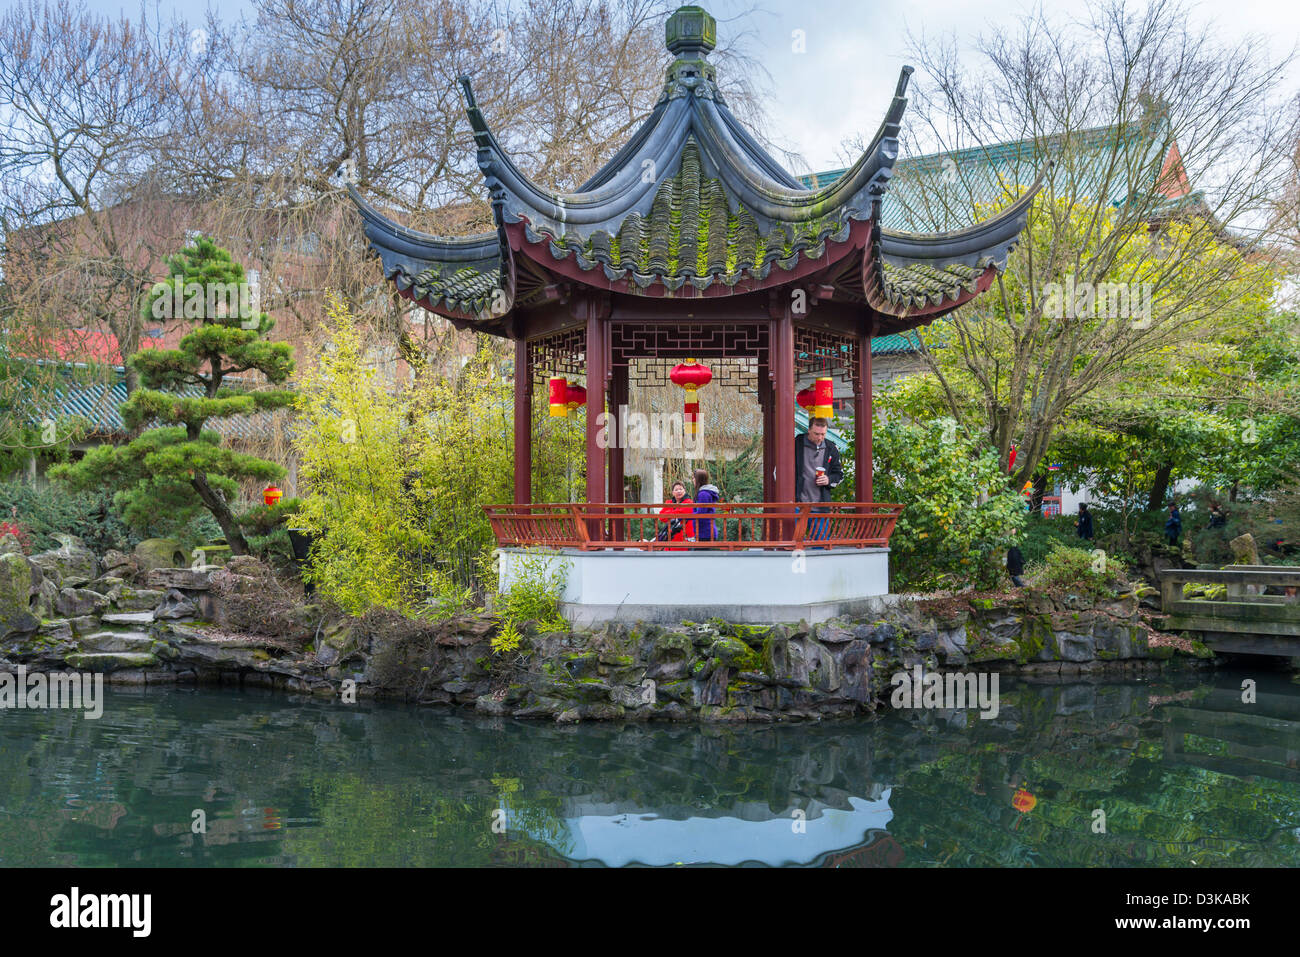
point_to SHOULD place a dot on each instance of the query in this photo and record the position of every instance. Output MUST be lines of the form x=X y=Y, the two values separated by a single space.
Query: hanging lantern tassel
x=824 y=398
x=690 y=375
x=692 y=412
x=558 y=393
x=576 y=397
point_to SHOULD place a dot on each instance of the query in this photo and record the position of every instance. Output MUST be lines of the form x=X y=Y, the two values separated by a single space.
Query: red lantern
x=271 y=495
x=806 y=400
x=1011 y=460
x=558 y=396
x=576 y=395
x=824 y=398
x=691 y=376
x=1023 y=801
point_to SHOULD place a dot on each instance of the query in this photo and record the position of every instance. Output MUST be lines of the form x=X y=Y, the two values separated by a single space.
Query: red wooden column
x=523 y=425
x=862 y=416
x=782 y=357
x=769 y=448
x=618 y=396
x=595 y=311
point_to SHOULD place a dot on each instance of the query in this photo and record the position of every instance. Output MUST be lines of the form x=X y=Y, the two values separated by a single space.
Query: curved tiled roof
x=690 y=203
x=694 y=233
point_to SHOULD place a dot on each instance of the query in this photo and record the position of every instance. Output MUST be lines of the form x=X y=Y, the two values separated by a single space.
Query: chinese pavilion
x=693 y=242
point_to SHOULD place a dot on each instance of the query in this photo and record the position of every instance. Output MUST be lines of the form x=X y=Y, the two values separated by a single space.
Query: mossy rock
x=671 y=646
x=581 y=664
x=160 y=553
x=215 y=554
x=18 y=580
x=734 y=653
x=683 y=691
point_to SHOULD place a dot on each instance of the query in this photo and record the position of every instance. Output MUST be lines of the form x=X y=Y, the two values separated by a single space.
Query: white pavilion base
x=745 y=587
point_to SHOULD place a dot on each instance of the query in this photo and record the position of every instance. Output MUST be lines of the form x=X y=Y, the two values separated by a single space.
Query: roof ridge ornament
x=690 y=32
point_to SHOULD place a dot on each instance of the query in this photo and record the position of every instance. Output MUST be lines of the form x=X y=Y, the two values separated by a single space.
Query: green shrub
x=534 y=594
x=1070 y=568
x=394 y=482
x=45 y=511
x=958 y=508
x=1042 y=532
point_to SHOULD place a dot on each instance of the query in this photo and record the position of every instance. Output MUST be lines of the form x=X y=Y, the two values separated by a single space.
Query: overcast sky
x=842 y=83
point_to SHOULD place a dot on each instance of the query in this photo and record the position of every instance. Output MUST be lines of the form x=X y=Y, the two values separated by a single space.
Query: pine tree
x=179 y=468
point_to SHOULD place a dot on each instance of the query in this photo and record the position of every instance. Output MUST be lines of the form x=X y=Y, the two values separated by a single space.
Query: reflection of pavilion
x=694 y=243
x=746 y=833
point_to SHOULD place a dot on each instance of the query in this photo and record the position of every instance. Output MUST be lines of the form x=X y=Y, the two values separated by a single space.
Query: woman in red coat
x=679 y=529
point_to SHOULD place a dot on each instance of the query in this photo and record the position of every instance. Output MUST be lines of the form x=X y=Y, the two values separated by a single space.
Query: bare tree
x=1134 y=107
x=89 y=107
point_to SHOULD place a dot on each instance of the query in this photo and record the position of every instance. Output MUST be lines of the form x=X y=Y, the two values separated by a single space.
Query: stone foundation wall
x=220 y=625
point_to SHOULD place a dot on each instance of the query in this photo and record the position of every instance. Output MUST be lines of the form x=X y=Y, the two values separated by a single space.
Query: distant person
x=1084 y=523
x=1173 y=525
x=677 y=528
x=817 y=470
x=705 y=495
x=1015 y=563
x=1217 y=518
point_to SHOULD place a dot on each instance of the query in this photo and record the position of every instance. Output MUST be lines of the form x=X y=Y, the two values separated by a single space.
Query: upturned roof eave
x=991 y=239
x=752 y=178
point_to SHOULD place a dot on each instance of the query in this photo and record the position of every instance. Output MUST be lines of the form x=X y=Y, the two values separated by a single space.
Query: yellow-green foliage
x=534 y=594
x=507 y=640
x=357 y=450
x=395 y=481
x=465 y=459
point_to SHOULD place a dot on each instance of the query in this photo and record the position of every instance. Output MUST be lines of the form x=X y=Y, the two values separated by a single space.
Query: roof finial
x=691 y=32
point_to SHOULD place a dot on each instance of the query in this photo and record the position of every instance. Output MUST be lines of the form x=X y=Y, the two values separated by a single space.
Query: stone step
x=188 y=579
x=128 y=618
x=115 y=642
x=111 y=661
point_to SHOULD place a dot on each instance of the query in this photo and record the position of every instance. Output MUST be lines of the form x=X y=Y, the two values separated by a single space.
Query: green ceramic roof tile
x=921 y=284
x=895 y=344
x=98 y=403
x=465 y=290
x=694 y=233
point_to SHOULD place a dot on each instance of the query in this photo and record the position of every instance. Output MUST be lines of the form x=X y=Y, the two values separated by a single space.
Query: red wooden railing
x=737 y=525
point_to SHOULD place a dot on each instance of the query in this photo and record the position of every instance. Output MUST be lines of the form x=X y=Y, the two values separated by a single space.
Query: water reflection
x=1184 y=773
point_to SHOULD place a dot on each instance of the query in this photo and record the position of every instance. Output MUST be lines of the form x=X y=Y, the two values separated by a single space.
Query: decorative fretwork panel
x=560 y=353
x=739 y=372
x=819 y=350
x=701 y=340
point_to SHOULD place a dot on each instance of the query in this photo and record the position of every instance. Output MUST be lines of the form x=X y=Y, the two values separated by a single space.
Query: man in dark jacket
x=1174 y=525
x=1015 y=563
x=1084 y=524
x=817 y=470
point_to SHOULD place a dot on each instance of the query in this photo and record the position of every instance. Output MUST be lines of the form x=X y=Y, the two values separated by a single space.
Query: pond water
x=1183 y=772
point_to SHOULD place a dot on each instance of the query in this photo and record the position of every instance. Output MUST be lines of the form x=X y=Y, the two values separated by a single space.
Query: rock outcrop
x=235 y=623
